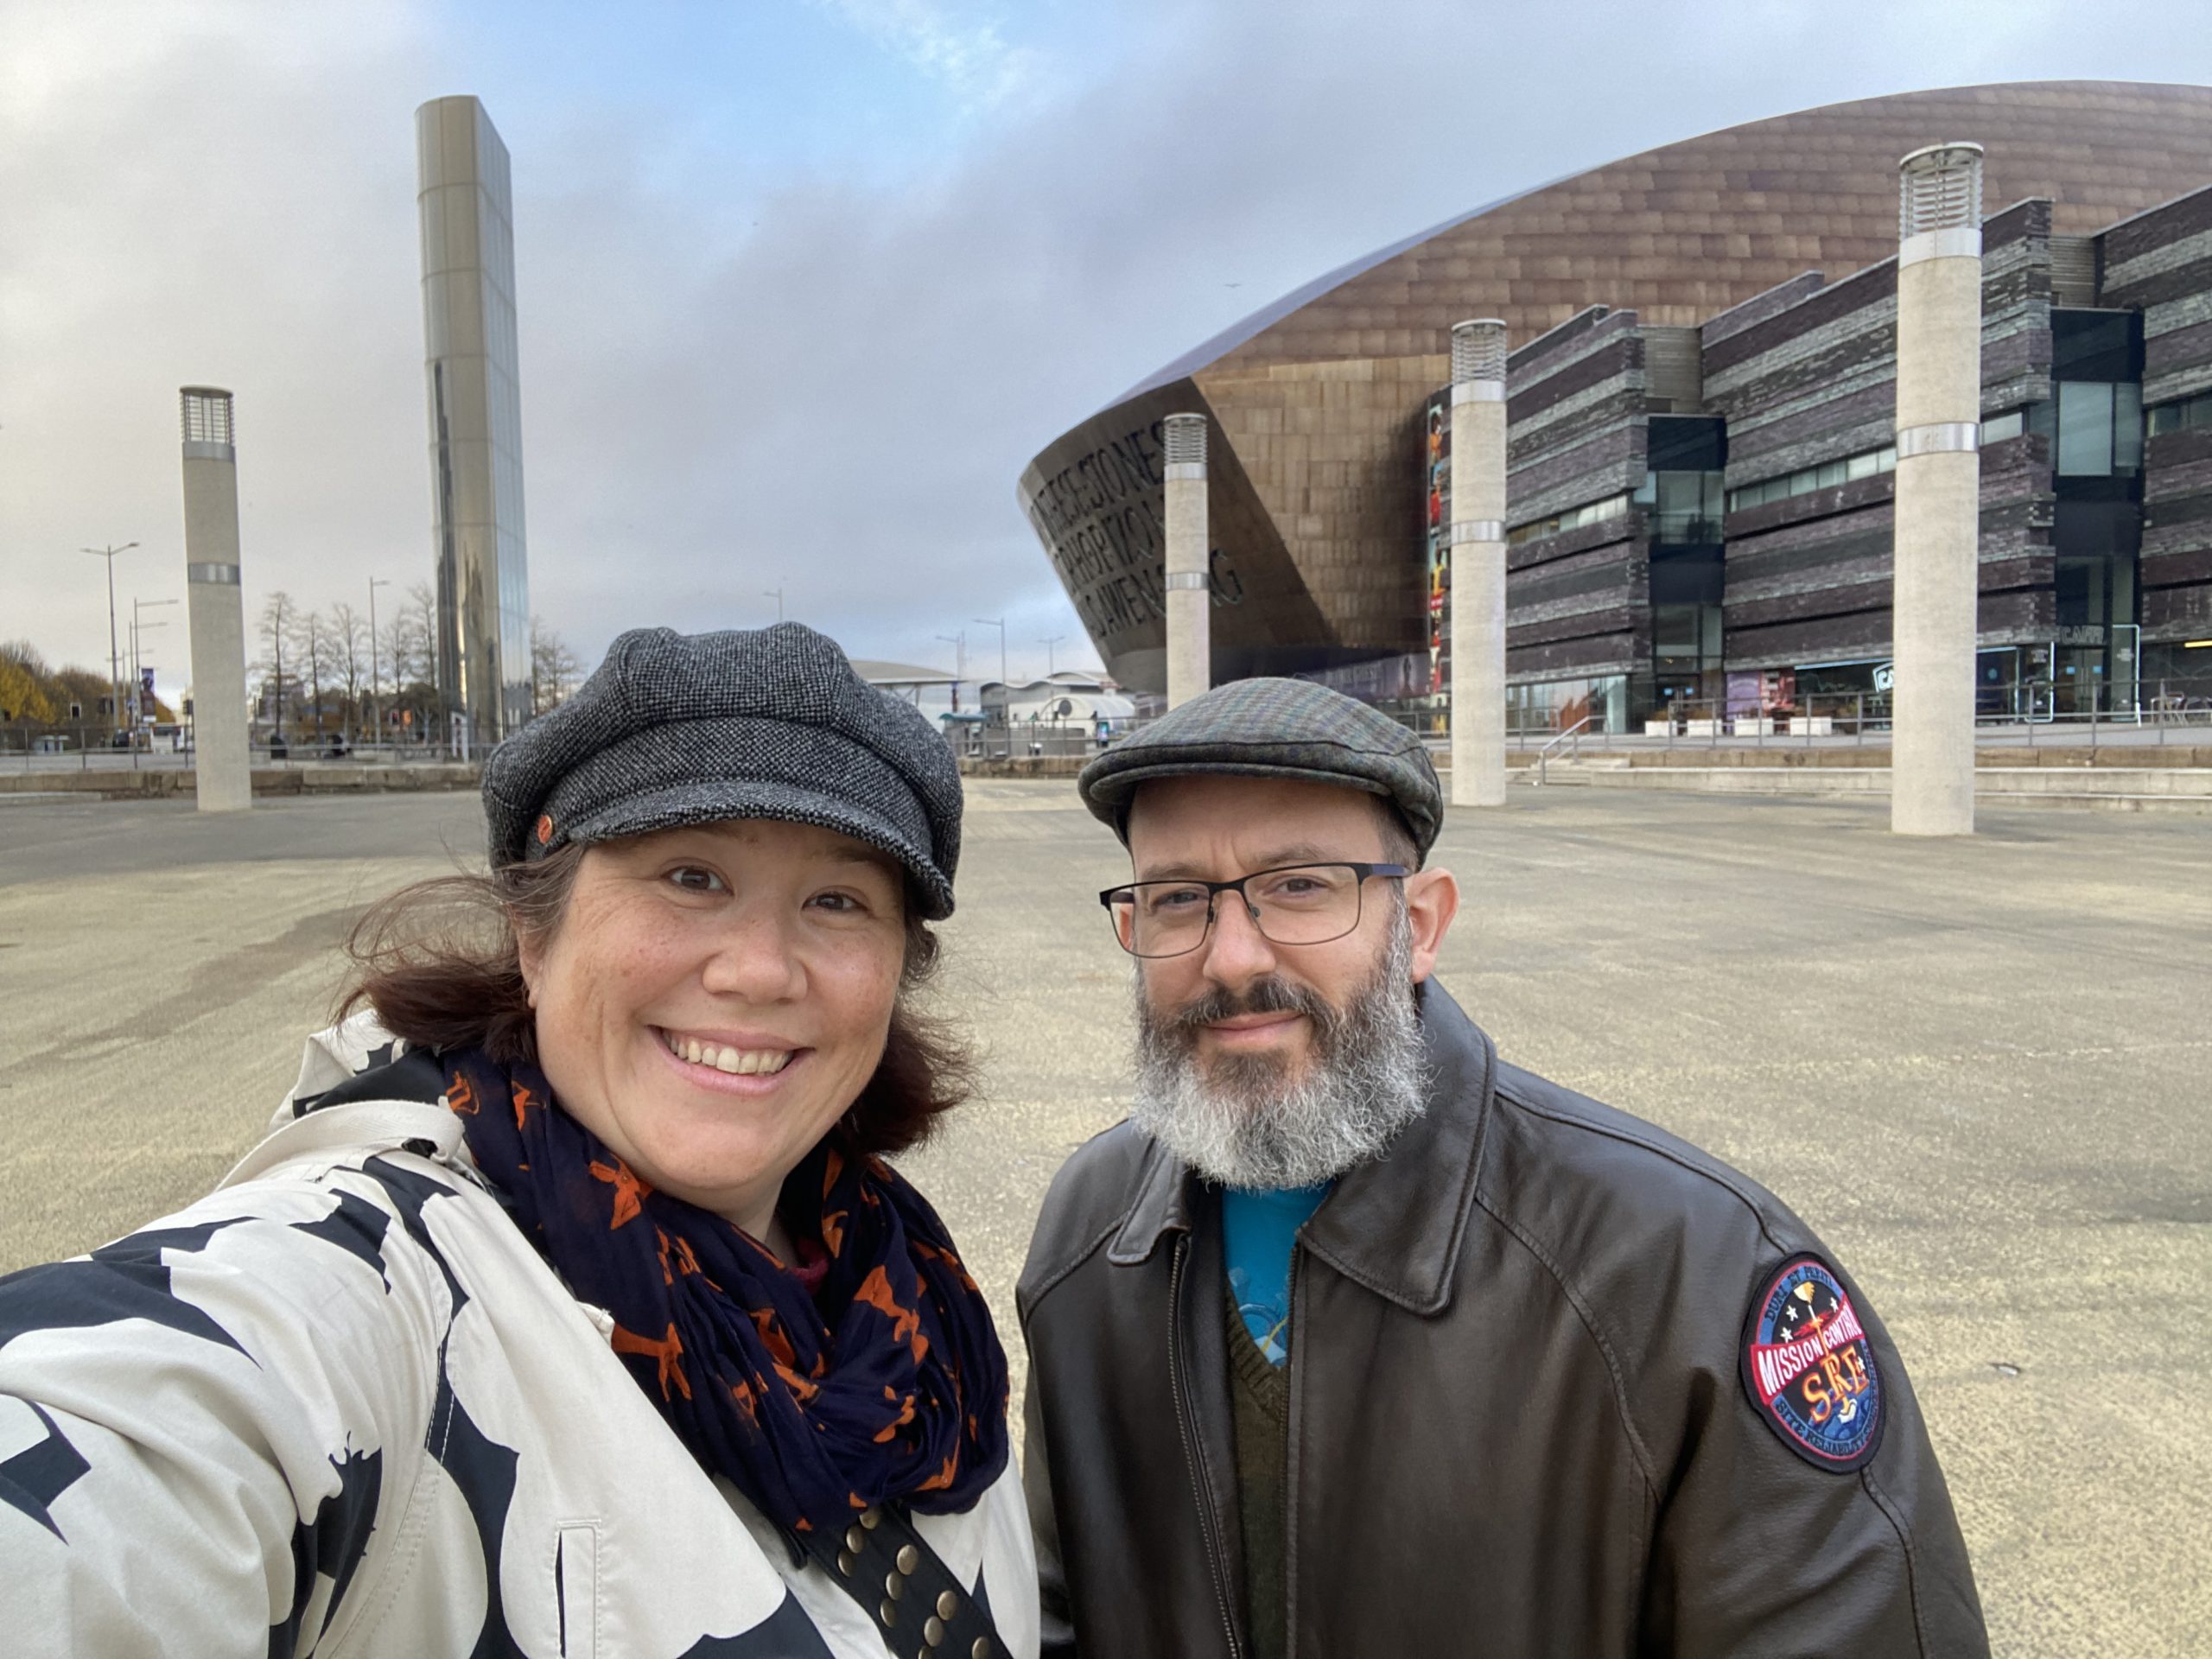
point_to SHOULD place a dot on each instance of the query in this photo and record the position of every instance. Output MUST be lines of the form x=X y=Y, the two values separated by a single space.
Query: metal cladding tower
x=1938 y=489
x=1190 y=638
x=222 y=768
x=1478 y=543
x=472 y=360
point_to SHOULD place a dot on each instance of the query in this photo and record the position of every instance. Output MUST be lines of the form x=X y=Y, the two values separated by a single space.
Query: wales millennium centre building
x=1700 y=407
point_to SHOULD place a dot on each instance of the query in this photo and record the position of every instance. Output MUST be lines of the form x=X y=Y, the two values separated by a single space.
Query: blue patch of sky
x=739 y=98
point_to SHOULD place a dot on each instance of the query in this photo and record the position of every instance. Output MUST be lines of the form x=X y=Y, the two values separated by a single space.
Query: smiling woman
x=571 y=1307
x=442 y=966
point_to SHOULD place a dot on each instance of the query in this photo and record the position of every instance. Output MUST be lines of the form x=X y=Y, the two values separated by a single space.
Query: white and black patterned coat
x=342 y=1407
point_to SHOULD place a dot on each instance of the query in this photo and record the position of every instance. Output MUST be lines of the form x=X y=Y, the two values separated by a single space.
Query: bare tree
x=310 y=652
x=349 y=642
x=279 y=617
x=554 y=669
x=398 y=649
x=423 y=615
x=410 y=650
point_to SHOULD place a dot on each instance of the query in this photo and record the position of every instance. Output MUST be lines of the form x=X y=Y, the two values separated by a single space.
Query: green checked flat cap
x=1273 y=729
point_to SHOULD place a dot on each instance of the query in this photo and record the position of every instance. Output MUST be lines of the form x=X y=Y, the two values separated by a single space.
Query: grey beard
x=1239 y=1123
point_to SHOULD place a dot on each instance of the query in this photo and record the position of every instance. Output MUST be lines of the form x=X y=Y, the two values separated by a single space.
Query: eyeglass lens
x=1310 y=904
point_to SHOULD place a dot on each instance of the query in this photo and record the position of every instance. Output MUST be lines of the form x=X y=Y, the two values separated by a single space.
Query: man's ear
x=1432 y=901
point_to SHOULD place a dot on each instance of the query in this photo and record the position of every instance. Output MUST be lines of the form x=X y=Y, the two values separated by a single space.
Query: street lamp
x=1057 y=639
x=959 y=644
x=136 y=628
x=776 y=593
x=114 y=650
x=998 y=622
x=375 y=731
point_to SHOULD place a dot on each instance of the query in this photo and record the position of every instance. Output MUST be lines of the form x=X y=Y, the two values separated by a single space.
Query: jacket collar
x=1394 y=1225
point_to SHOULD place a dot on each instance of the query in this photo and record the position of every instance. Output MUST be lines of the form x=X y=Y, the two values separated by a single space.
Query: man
x=1356 y=1340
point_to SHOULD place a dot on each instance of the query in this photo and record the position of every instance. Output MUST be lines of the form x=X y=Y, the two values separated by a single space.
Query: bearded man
x=1355 y=1340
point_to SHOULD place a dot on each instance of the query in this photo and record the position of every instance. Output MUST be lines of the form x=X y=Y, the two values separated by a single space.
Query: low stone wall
x=1022 y=766
x=2126 y=788
x=333 y=778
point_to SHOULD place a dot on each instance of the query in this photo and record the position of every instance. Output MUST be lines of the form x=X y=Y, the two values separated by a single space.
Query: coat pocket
x=575 y=1584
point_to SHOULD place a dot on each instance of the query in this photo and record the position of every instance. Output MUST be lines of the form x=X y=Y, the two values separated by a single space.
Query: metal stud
x=932 y=1629
x=888 y=1613
x=893 y=1585
x=982 y=1648
x=856 y=1540
x=947 y=1604
x=909 y=1559
x=848 y=1563
x=871 y=1518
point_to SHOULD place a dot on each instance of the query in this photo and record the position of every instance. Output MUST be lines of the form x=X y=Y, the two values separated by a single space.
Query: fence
x=96 y=745
x=2173 y=709
x=1036 y=738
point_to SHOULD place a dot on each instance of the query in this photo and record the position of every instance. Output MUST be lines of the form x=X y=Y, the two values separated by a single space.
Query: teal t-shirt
x=1258 y=1228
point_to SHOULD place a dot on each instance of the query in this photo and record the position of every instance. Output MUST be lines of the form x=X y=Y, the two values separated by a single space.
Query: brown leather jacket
x=1520 y=1422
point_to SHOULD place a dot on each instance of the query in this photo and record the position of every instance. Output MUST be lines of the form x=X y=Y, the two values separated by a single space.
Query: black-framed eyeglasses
x=1296 y=903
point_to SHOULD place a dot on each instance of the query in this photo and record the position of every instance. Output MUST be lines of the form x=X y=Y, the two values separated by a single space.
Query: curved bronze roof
x=1313 y=395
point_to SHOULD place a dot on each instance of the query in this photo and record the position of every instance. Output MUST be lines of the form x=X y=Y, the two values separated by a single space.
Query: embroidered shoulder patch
x=1809 y=1368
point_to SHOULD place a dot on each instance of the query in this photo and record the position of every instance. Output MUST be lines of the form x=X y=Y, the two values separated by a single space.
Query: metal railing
x=1036 y=739
x=1572 y=735
x=94 y=748
x=2166 y=711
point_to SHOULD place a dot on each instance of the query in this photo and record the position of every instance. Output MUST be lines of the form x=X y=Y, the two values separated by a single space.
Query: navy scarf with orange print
x=884 y=1383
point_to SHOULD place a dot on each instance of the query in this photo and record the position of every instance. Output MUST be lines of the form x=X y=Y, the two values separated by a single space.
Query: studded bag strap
x=920 y=1609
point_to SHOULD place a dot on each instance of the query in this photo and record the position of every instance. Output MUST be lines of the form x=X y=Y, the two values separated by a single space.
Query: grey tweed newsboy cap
x=677 y=729
x=1273 y=729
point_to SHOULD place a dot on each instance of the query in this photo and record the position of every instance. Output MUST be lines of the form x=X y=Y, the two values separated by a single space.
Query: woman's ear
x=530 y=956
x=1432 y=901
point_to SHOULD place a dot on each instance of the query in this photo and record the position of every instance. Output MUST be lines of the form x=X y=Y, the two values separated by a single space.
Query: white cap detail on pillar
x=1475 y=537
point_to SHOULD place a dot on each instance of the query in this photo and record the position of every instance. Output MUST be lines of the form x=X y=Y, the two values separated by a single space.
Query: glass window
x=2128 y=428
x=2001 y=427
x=1686 y=443
x=1831 y=474
x=2096 y=345
x=1675 y=629
x=2084 y=587
x=1858 y=466
x=2085 y=410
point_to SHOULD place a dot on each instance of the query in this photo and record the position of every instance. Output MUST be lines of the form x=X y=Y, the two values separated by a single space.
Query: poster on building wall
x=1436 y=464
x=1763 y=691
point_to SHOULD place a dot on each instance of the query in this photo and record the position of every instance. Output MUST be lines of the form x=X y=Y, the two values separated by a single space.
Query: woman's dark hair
x=439 y=964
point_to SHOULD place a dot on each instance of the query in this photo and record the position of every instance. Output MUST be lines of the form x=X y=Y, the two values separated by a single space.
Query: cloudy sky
x=804 y=284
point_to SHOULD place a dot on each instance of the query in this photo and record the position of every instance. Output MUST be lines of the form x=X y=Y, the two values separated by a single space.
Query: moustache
x=1266 y=996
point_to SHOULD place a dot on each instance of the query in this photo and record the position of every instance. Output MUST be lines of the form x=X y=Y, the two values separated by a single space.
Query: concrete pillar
x=1478 y=541
x=1938 y=490
x=1190 y=622
x=221 y=764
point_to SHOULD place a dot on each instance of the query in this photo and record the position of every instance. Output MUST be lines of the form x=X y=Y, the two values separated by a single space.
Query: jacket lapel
x=1394 y=1225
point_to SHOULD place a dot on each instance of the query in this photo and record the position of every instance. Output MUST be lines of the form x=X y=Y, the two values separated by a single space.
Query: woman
x=571 y=1310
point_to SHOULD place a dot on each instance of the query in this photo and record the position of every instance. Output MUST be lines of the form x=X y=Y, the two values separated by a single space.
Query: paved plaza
x=1979 y=1069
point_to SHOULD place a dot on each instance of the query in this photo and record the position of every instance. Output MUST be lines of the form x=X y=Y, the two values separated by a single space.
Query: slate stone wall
x=2161 y=262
